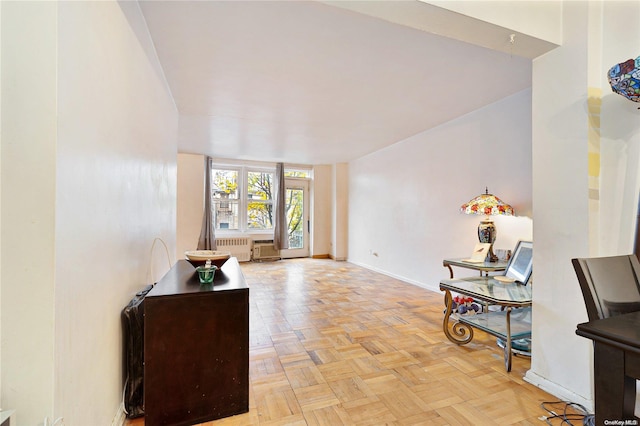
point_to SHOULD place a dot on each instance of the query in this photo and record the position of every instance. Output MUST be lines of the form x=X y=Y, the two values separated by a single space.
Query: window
x=242 y=198
x=224 y=196
x=259 y=200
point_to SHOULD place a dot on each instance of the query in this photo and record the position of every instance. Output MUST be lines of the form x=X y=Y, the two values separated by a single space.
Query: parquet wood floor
x=332 y=343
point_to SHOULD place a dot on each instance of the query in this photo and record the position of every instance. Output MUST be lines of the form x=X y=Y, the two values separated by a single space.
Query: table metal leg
x=450 y=271
x=507 y=346
x=458 y=333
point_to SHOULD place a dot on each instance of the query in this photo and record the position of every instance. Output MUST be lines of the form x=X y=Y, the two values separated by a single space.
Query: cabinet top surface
x=491 y=290
x=182 y=278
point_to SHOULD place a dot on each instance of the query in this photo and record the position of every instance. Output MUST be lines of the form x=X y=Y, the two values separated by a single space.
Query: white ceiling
x=312 y=83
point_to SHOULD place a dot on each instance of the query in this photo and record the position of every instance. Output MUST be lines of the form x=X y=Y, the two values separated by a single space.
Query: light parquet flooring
x=332 y=343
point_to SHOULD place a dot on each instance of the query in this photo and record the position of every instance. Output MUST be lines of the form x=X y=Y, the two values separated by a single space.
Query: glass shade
x=488 y=205
x=624 y=79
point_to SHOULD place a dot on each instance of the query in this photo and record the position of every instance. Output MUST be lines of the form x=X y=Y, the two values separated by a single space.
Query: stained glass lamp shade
x=488 y=205
x=624 y=79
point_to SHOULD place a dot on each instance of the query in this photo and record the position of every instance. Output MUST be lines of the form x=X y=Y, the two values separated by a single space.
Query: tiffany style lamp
x=488 y=205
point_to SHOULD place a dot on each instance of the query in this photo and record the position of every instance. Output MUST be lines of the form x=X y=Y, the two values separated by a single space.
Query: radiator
x=238 y=247
x=265 y=250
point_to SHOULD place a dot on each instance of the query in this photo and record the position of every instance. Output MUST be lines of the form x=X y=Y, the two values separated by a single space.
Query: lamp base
x=491 y=256
x=487 y=234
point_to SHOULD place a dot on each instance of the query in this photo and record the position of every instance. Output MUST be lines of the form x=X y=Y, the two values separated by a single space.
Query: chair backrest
x=609 y=285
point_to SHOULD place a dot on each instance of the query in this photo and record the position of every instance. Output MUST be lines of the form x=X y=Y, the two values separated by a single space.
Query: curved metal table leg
x=450 y=270
x=507 y=346
x=458 y=333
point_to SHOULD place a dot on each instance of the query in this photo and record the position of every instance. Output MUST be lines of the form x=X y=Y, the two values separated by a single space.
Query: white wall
x=560 y=359
x=28 y=208
x=0 y=201
x=98 y=185
x=404 y=201
x=563 y=208
x=321 y=210
x=339 y=215
x=190 y=208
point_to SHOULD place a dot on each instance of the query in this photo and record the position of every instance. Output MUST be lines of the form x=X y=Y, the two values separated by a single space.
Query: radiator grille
x=239 y=247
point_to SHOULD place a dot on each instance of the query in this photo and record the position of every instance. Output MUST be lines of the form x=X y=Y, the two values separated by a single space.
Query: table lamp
x=488 y=205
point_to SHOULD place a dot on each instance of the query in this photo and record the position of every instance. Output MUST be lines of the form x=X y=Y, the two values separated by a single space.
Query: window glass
x=259 y=200
x=242 y=197
x=294 y=205
x=297 y=173
x=224 y=198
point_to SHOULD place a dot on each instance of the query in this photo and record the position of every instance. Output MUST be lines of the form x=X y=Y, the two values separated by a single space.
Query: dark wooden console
x=196 y=347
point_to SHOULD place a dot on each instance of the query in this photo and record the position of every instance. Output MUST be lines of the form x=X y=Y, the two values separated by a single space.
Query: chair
x=610 y=287
x=609 y=284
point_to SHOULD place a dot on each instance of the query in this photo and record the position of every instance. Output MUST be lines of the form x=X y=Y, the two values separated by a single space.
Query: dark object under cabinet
x=196 y=346
x=133 y=341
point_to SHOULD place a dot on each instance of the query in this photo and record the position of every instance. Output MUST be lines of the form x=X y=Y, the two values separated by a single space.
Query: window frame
x=229 y=201
x=243 y=197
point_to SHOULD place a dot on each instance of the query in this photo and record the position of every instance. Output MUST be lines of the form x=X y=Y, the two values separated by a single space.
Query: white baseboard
x=120 y=418
x=558 y=391
x=435 y=289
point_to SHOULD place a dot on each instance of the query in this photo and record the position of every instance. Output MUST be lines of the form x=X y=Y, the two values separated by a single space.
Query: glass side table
x=484 y=267
x=511 y=323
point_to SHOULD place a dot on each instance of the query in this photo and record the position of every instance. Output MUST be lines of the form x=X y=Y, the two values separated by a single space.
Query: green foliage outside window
x=294 y=206
x=225 y=182
x=260 y=203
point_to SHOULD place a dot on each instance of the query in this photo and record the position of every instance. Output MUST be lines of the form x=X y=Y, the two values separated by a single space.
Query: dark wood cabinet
x=196 y=347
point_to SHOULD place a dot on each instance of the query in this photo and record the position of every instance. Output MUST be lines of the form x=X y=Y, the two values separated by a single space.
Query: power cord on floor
x=166 y=249
x=581 y=417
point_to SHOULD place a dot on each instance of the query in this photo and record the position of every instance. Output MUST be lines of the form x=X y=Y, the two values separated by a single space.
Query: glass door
x=297 y=211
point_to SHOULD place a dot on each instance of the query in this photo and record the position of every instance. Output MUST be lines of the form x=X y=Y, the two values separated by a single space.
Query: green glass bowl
x=206 y=274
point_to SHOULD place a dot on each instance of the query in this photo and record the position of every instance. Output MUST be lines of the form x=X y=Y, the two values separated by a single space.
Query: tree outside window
x=259 y=200
x=294 y=206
